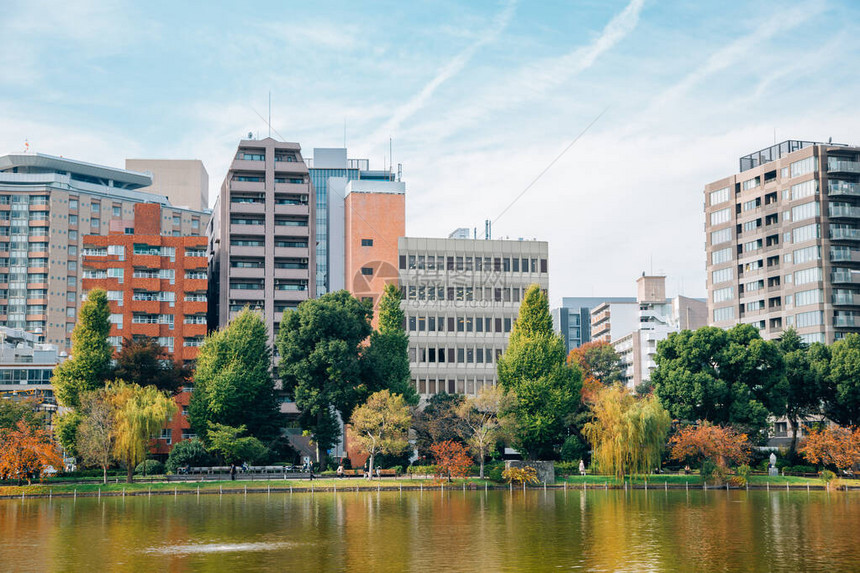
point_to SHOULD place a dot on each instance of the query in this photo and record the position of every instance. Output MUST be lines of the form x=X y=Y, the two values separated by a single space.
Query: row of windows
x=451 y=386
x=26 y=375
x=463 y=293
x=458 y=324
x=468 y=263
x=459 y=355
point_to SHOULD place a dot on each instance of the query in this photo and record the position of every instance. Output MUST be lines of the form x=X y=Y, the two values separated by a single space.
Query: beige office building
x=461 y=298
x=184 y=182
x=783 y=242
x=261 y=234
x=47 y=205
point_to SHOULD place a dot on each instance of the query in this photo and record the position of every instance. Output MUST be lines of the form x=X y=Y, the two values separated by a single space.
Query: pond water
x=596 y=530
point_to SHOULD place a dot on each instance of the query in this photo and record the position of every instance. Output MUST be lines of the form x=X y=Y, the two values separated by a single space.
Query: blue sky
x=478 y=97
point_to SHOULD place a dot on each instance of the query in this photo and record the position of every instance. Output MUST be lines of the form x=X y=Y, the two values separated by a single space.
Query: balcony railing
x=842 y=233
x=836 y=187
x=843 y=210
x=839 y=165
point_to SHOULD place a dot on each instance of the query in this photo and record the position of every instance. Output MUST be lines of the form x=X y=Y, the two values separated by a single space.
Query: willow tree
x=533 y=371
x=139 y=412
x=627 y=433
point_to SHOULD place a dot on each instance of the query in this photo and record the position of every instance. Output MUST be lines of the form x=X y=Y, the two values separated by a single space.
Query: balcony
x=247 y=273
x=292 y=274
x=248 y=229
x=243 y=251
x=837 y=188
x=291 y=210
x=258 y=186
x=296 y=188
x=839 y=165
x=246 y=294
x=251 y=167
x=845 y=277
x=843 y=210
x=846 y=321
x=844 y=234
x=239 y=207
x=291 y=252
x=845 y=299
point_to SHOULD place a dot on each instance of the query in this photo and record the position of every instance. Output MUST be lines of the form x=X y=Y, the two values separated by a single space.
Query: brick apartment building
x=156 y=286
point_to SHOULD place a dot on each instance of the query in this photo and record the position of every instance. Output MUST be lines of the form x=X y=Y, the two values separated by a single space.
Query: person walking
x=581 y=468
x=233 y=472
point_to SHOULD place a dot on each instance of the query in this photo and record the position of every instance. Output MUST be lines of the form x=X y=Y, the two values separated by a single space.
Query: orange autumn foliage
x=707 y=442
x=600 y=366
x=27 y=452
x=834 y=445
x=452 y=459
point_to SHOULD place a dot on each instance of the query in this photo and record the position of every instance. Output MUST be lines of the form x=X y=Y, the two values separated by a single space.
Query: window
x=95 y=207
x=807 y=233
x=751 y=184
x=752 y=225
x=807 y=276
x=803 y=167
x=723 y=294
x=719 y=196
x=195 y=223
x=805 y=189
x=814 y=318
x=721 y=256
x=73 y=219
x=73 y=203
x=752 y=204
x=117 y=211
x=754 y=286
x=721 y=236
x=805 y=211
x=752 y=245
x=73 y=235
x=807 y=254
x=366 y=271
x=805 y=297
x=721 y=216
x=721 y=314
x=755 y=305
x=95 y=222
x=721 y=275
x=367 y=242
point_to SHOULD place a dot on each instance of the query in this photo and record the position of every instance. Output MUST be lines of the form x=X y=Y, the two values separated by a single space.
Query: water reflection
x=593 y=530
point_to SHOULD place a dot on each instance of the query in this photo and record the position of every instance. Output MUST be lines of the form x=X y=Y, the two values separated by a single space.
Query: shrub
x=573 y=449
x=495 y=474
x=567 y=468
x=525 y=474
x=827 y=476
x=743 y=474
x=801 y=470
x=189 y=453
x=153 y=467
x=422 y=470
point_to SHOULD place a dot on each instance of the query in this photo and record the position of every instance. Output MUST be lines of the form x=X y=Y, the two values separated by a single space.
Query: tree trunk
x=370 y=468
x=792 y=451
x=129 y=476
x=481 y=473
x=104 y=475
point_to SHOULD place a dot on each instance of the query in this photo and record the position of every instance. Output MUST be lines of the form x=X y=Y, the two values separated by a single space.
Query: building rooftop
x=41 y=163
x=773 y=153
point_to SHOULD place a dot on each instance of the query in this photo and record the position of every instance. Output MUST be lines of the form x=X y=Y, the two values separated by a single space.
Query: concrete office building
x=184 y=182
x=26 y=367
x=330 y=170
x=261 y=234
x=783 y=242
x=47 y=205
x=461 y=298
x=573 y=318
x=375 y=215
x=611 y=320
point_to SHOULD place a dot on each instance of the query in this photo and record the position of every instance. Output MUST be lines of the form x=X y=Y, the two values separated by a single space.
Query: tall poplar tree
x=386 y=358
x=233 y=382
x=533 y=368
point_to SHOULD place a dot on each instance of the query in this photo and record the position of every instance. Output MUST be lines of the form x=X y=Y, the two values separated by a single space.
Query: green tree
x=533 y=369
x=439 y=422
x=844 y=381
x=627 y=434
x=190 y=453
x=145 y=362
x=480 y=415
x=66 y=430
x=139 y=412
x=233 y=381
x=320 y=344
x=11 y=412
x=381 y=425
x=600 y=365
x=90 y=363
x=805 y=385
x=724 y=376
x=386 y=358
x=96 y=433
x=228 y=442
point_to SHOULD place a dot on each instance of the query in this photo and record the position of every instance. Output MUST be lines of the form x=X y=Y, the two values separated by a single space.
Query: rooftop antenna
x=390 y=154
x=270 y=113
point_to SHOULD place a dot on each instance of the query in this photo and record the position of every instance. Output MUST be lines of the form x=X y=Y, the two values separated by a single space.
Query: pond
x=595 y=530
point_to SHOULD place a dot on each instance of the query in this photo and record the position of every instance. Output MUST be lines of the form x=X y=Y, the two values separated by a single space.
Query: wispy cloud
x=448 y=71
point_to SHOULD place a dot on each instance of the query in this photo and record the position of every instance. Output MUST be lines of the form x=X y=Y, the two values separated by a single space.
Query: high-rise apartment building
x=261 y=234
x=156 y=286
x=461 y=298
x=47 y=205
x=184 y=182
x=783 y=242
x=26 y=367
x=375 y=216
x=572 y=320
x=330 y=171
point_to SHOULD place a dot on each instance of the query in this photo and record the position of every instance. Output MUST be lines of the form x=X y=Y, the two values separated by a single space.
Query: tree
x=139 y=412
x=232 y=446
x=320 y=346
x=438 y=422
x=90 y=363
x=187 y=453
x=481 y=423
x=12 y=412
x=719 y=444
x=386 y=357
x=727 y=377
x=381 y=425
x=832 y=446
x=627 y=434
x=600 y=366
x=452 y=459
x=544 y=389
x=96 y=432
x=805 y=372
x=844 y=381
x=145 y=362
x=66 y=429
x=233 y=382
x=27 y=452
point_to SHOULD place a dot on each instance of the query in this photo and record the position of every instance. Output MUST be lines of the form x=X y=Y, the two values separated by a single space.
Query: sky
x=591 y=124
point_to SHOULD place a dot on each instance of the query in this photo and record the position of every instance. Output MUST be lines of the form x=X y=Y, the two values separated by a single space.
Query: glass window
x=721 y=314
x=721 y=236
x=805 y=297
x=806 y=254
x=806 y=233
x=807 y=276
x=813 y=318
x=719 y=196
x=721 y=216
x=723 y=294
x=751 y=183
x=803 y=167
x=722 y=275
x=805 y=211
x=721 y=256
x=805 y=189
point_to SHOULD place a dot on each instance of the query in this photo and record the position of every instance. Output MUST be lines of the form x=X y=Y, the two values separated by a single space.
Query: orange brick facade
x=157 y=288
x=373 y=223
